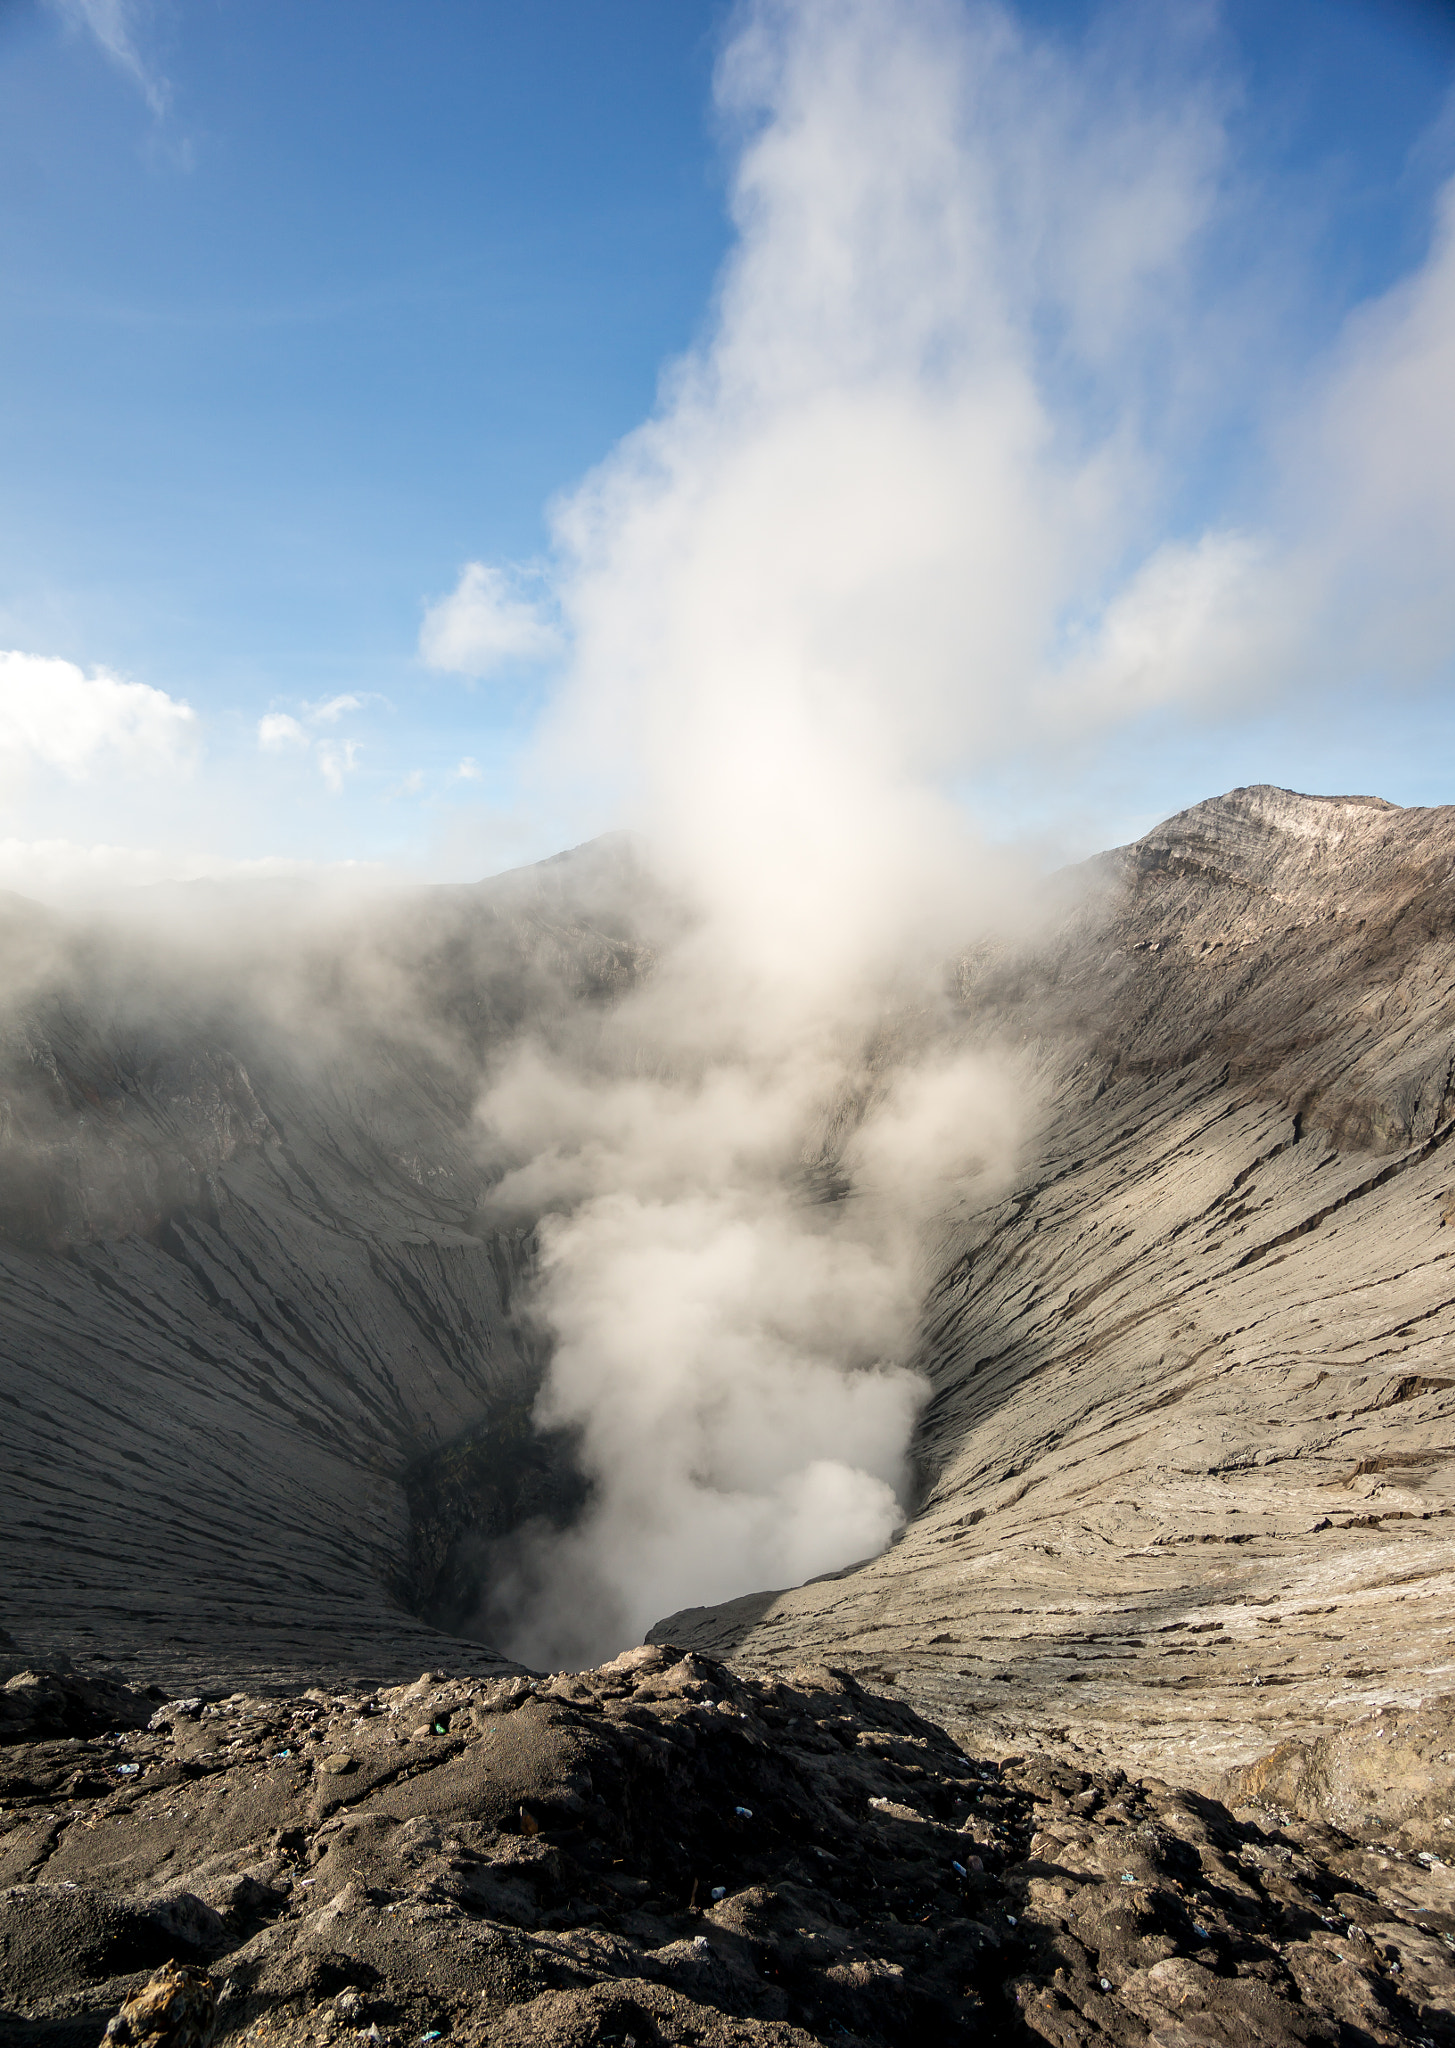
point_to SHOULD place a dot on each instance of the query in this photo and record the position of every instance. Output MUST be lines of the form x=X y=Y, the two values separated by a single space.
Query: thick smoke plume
x=798 y=595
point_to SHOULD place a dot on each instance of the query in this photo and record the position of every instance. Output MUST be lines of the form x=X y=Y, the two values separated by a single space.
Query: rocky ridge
x=661 y=1851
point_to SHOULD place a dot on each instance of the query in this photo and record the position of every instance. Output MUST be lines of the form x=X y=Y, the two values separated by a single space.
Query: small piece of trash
x=127 y=1770
x=1011 y=1918
x=743 y=1812
x=1127 y=1877
x=959 y=1869
x=307 y=1881
x=700 y=1941
x=439 y=1729
x=1106 y=1983
x=719 y=1891
x=1199 y=1930
x=281 y=1755
x=434 y=2032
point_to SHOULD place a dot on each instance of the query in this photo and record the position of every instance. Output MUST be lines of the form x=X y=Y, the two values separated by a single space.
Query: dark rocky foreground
x=658 y=1852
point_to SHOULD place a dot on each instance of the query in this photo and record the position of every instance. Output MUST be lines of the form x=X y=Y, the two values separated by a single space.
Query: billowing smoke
x=799 y=596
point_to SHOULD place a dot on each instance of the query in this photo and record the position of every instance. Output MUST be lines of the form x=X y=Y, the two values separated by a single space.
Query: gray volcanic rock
x=1189 y=1458
x=662 y=1851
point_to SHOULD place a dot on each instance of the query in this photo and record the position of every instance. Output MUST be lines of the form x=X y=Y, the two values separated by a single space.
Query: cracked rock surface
x=1189 y=1453
x=663 y=1851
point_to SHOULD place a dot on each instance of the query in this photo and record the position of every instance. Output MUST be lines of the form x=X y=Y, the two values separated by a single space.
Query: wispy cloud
x=486 y=623
x=278 y=730
x=113 y=24
x=336 y=760
x=328 y=710
x=281 y=732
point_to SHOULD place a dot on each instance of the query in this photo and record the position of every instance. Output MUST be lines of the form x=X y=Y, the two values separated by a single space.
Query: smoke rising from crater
x=801 y=597
x=907 y=510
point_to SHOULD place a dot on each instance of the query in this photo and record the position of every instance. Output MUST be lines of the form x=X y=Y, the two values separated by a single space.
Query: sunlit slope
x=1190 y=1454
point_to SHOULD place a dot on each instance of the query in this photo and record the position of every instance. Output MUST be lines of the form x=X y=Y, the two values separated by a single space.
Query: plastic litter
x=1199 y=1930
x=432 y=2035
x=700 y=1941
x=1106 y=1983
x=743 y=1812
x=1127 y=1877
x=127 y=1770
x=959 y=1869
x=719 y=1891
x=1011 y=1918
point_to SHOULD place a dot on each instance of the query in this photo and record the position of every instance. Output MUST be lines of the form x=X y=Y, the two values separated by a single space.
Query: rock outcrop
x=663 y=1852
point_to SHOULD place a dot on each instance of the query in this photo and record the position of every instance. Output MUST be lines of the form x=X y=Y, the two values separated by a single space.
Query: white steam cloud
x=904 y=511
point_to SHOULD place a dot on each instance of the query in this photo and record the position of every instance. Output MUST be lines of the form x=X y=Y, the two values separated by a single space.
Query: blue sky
x=306 y=309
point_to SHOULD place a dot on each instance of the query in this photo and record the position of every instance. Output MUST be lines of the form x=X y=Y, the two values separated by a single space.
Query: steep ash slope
x=248 y=1308
x=1190 y=1455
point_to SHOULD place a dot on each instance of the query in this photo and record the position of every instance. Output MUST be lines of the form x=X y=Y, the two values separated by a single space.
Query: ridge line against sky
x=1064 y=396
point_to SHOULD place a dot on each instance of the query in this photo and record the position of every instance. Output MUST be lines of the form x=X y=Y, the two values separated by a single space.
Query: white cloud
x=278 y=730
x=485 y=624
x=113 y=24
x=330 y=709
x=54 y=715
x=335 y=761
x=1347 y=581
x=469 y=770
